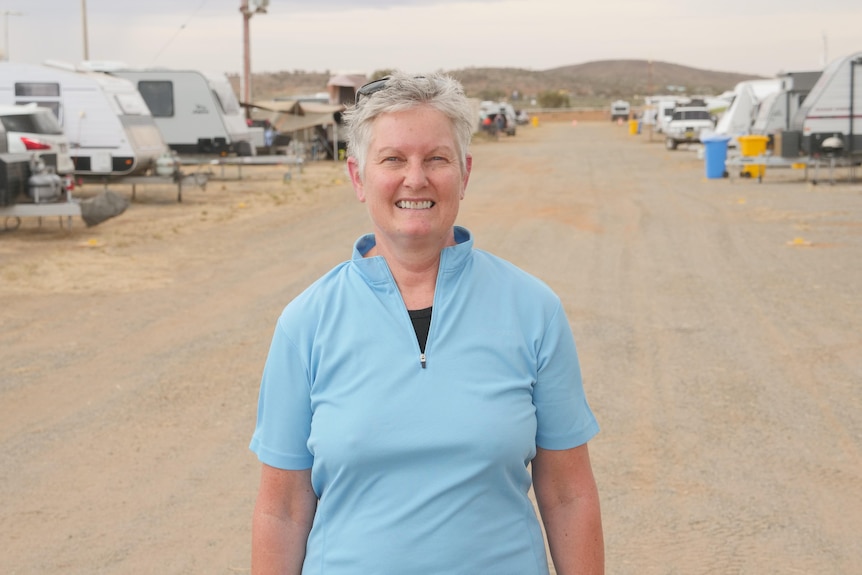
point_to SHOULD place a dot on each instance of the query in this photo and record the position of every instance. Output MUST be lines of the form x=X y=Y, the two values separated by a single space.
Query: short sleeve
x=564 y=417
x=284 y=407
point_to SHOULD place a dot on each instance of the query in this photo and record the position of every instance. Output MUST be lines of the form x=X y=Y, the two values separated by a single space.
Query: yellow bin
x=751 y=146
x=633 y=127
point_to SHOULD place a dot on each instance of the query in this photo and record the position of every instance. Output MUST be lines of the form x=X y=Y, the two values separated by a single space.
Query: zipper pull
x=422 y=360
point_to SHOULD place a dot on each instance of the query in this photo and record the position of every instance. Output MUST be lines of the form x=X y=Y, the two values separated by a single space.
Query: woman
x=408 y=392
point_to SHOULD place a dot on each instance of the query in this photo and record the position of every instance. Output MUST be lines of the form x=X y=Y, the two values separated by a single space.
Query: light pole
x=84 y=27
x=6 y=15
x=259 y=7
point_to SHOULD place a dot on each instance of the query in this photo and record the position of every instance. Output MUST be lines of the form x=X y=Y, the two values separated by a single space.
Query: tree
x=492 y=94
x=554 y=99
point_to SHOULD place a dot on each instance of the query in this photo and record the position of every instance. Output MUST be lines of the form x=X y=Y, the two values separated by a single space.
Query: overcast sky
x=760 y=37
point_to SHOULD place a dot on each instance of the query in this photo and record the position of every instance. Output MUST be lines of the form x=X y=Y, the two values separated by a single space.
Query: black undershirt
x=421 y=319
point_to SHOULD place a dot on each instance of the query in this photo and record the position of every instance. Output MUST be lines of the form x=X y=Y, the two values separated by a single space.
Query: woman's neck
x=414 y=271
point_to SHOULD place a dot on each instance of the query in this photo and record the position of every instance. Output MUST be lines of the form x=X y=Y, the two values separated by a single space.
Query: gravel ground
x=717 y=321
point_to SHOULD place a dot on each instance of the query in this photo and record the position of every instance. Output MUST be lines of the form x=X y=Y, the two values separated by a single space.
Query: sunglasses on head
x=372 y=87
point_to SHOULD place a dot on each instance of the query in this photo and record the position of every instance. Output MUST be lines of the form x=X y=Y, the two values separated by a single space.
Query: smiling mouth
x=407 y=205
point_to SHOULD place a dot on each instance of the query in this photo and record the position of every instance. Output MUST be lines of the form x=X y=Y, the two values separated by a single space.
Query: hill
x=589 y=84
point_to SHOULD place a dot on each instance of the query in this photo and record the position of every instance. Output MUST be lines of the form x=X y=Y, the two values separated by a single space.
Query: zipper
x=423 y=359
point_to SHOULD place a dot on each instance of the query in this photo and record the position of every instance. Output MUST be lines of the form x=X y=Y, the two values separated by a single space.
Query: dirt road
x=717 y=321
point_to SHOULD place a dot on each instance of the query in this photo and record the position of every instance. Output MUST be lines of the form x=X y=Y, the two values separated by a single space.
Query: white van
x=32 y=129
x=620 y=110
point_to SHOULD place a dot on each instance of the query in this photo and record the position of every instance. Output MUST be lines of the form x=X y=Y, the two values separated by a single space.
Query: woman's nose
x=415 y=176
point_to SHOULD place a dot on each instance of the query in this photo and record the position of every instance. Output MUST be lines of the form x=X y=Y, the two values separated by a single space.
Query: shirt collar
x=452 y=258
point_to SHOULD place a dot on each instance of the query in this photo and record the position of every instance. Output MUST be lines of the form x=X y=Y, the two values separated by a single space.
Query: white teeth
x=404 y=204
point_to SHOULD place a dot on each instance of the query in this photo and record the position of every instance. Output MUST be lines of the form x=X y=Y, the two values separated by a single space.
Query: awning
x=291 y=115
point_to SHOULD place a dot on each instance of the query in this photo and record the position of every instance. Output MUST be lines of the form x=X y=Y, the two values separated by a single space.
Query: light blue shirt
x=422 y=469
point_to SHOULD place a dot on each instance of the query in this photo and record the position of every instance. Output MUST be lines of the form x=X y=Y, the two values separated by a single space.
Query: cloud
x=420 y=35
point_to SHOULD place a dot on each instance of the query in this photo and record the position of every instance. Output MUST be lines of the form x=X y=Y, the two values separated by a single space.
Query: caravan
x=109 y=128
x=833 y=109
x=748 y=95
x=778 y=110
x=197 y=113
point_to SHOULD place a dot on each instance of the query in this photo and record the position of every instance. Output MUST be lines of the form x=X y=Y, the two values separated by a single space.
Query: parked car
x=686 y=125
x=34 y=129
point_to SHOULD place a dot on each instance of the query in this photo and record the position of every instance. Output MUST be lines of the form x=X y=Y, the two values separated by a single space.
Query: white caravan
x=197 y=112
x=833 y=108
x=747 y=97
x=778 y=109
x=109 y=128
x=620 y=110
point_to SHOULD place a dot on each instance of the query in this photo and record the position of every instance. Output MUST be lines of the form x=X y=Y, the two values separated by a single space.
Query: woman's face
x=413 y=183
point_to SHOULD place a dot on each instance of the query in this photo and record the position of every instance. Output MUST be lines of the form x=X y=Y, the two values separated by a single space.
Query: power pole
x=6 y=15
x=247 y=13
x=84 y=25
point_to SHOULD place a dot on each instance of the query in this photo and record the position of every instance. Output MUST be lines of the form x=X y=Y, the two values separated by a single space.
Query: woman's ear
x=468 y=167
x=355 y=179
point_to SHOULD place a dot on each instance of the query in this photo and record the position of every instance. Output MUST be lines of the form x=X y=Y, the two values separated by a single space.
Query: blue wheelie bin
x=715 y=155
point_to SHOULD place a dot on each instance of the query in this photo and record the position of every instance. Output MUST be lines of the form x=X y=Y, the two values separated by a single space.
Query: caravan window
x=53 y=106
x=45 y=94
x=159 y=96
x=38 y=89
x=33 y=123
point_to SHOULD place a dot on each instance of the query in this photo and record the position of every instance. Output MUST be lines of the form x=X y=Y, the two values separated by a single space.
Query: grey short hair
x=404 y=92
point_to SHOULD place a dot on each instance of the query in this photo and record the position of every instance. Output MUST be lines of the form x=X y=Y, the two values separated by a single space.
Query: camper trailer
x=748 y=96
x=197 y=113
x=778 y=109
x=833 y=109
x=109 y=128
x=620 y=110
